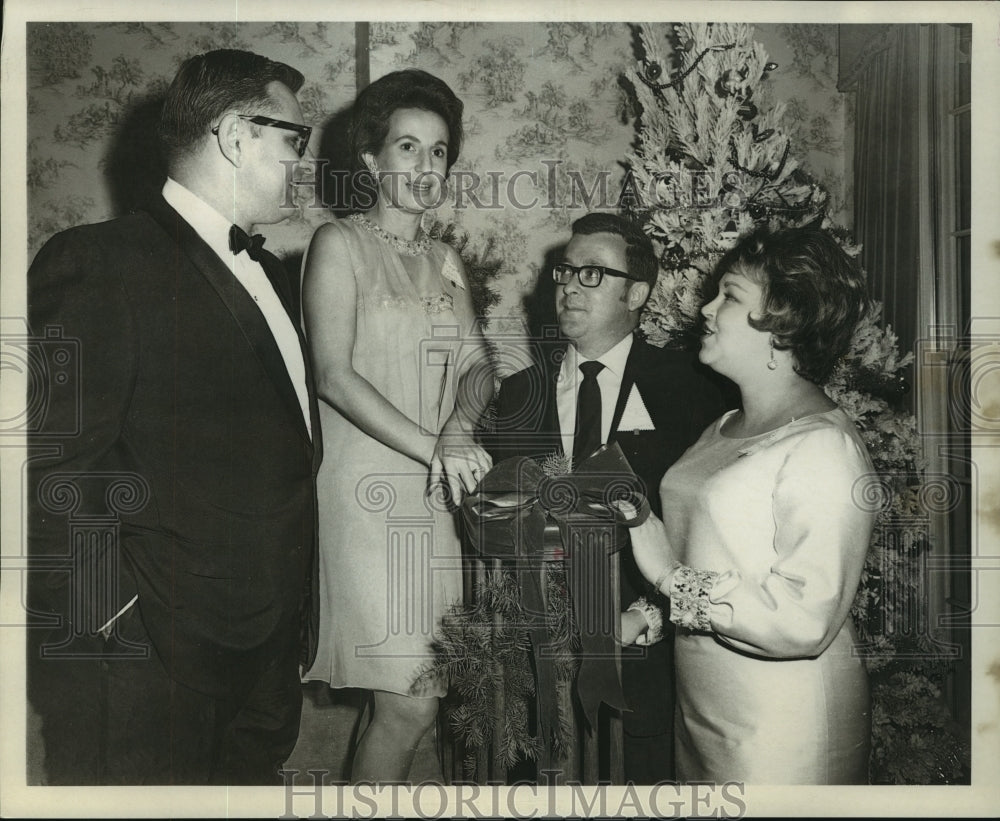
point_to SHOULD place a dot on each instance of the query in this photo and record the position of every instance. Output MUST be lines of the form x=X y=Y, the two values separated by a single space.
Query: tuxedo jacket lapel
x=276 y=275
x=278 y=278
x=240 y=304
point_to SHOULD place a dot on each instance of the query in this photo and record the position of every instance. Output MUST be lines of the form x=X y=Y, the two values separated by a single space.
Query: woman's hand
x=633 y=625
x=459 y=462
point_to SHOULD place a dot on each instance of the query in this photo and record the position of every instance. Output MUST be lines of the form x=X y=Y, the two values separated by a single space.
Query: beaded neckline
x=410 y=247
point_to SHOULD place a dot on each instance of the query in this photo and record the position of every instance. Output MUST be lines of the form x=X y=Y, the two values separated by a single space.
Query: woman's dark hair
x=813 y=293
x=639 y=254
x=410 y=88
x=210 y=85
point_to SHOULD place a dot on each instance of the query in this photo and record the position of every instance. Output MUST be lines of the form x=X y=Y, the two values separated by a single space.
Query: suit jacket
x=183 y=386
x=681 y=399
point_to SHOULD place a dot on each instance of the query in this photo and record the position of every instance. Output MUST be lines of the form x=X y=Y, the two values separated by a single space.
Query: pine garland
x=485 y=651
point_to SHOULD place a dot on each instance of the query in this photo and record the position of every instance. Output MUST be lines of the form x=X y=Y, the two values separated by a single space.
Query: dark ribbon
x=518 y=513
x=240 y=240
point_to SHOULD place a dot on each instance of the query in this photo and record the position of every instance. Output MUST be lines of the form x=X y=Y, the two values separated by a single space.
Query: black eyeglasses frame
x=303 y=131
x=602 y=272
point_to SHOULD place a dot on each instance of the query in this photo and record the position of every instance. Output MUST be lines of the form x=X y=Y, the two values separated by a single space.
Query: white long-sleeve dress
x=772 y=532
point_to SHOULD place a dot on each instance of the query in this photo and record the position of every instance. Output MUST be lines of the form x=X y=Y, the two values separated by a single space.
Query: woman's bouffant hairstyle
x=410 y=88
x=813 y=293
x=210 y=85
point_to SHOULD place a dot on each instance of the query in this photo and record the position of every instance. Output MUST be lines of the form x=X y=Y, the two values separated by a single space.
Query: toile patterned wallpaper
x=819 y=118
x=547 y=122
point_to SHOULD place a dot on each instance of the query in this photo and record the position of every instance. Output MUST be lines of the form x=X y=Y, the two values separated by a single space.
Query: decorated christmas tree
x=711 y=161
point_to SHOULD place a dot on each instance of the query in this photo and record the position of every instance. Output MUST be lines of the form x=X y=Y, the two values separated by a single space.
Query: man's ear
x=229 y=134
x=638 y=293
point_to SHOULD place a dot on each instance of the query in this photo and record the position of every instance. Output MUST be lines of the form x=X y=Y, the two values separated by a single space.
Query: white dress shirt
x=609 y=380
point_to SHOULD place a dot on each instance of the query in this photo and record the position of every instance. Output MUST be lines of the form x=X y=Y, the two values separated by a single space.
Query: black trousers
x=122 y=720
x=649 y=736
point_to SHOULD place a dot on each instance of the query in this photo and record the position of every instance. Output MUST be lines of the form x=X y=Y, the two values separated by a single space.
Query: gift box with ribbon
x=521 y=515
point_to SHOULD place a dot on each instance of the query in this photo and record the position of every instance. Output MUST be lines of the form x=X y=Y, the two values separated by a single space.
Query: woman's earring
x=372 y=167
x=772 y=363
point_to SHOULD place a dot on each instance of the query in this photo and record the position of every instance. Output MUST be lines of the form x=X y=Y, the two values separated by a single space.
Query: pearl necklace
x=409 y=247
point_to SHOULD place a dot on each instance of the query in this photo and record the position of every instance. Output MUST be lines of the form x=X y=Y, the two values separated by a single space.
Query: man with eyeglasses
x=605 y=384
x=195 y=397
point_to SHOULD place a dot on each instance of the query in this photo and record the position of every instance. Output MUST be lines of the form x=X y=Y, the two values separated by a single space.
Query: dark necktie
x=588 y=413
x=240 y=240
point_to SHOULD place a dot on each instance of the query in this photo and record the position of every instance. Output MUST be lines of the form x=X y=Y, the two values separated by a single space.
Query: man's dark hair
x=212 y=84
x=639 y=254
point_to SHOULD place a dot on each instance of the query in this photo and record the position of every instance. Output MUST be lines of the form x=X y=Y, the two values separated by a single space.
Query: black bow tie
x=240 y=240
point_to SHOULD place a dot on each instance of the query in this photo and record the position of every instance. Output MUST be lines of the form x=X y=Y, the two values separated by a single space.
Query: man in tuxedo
x=172 y=649
x=608 y=385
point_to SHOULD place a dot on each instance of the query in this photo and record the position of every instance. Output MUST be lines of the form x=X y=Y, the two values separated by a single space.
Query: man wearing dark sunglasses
x=195 y=397
x=605 y=384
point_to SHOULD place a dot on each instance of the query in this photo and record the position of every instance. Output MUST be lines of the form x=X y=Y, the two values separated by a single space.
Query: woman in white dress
x=765 y=530
x=403 y=377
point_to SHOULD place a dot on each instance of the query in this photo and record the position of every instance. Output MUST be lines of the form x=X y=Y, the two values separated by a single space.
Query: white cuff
x=654 y=618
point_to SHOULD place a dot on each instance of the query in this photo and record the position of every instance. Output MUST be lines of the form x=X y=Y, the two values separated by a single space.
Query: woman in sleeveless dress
x=765 y=530
x=403 y=377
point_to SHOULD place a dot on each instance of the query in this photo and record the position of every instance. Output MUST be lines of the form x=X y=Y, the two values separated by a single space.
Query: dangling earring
x=372 y=168
x=772 y=363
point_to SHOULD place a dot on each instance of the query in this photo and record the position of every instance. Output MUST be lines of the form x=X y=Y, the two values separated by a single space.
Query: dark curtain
x=892 y=168
x=912 y=206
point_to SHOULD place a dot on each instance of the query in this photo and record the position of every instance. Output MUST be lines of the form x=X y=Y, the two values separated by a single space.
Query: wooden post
x=608 y=734
x=581 y=758
x=362 y=64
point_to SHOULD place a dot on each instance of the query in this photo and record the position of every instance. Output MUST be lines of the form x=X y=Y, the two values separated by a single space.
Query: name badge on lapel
x=635 y=417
